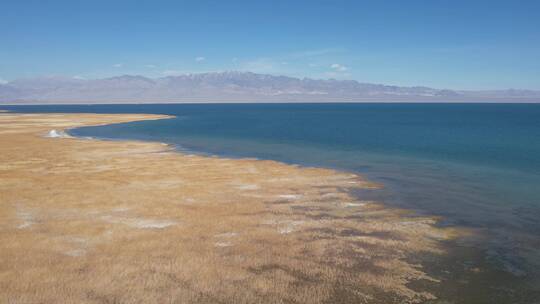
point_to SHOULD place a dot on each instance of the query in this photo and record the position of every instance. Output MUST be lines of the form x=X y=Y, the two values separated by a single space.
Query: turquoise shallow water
x=475 y=165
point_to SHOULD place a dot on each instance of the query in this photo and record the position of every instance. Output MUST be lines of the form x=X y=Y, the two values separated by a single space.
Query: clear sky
x=444 y=44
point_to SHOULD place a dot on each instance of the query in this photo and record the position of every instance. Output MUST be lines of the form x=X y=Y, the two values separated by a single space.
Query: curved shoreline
x=192 y=227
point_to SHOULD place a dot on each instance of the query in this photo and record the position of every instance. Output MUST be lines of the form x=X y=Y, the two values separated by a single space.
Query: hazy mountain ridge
x=231 y=86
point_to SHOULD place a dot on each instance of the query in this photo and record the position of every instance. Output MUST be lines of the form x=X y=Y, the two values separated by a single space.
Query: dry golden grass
x=86 y=221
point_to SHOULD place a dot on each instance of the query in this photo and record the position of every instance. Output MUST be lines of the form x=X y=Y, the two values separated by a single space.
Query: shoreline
x=236 y=230
x=233 y=102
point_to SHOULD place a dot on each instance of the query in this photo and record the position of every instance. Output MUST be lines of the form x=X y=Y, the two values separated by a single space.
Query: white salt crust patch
x=139 y=222
x=223 y=244
x=225 y=239
x=289 y=227
x=57 y=134
x=354 y=204
x=284 y=227
x=247 y=187
x=331 y=194
x=226 y=235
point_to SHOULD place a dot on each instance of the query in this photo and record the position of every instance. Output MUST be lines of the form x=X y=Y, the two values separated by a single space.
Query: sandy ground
x=89 y=221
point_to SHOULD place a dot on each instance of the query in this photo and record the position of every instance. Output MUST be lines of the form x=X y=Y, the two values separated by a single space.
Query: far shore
x=92 y=221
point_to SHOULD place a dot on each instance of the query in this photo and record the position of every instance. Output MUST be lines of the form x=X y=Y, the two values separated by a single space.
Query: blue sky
x=443 y=44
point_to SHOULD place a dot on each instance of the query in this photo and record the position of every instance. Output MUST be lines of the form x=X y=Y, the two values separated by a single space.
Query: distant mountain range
x=233 y=87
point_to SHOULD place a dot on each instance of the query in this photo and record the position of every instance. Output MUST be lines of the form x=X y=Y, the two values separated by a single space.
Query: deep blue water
x=475 y=165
